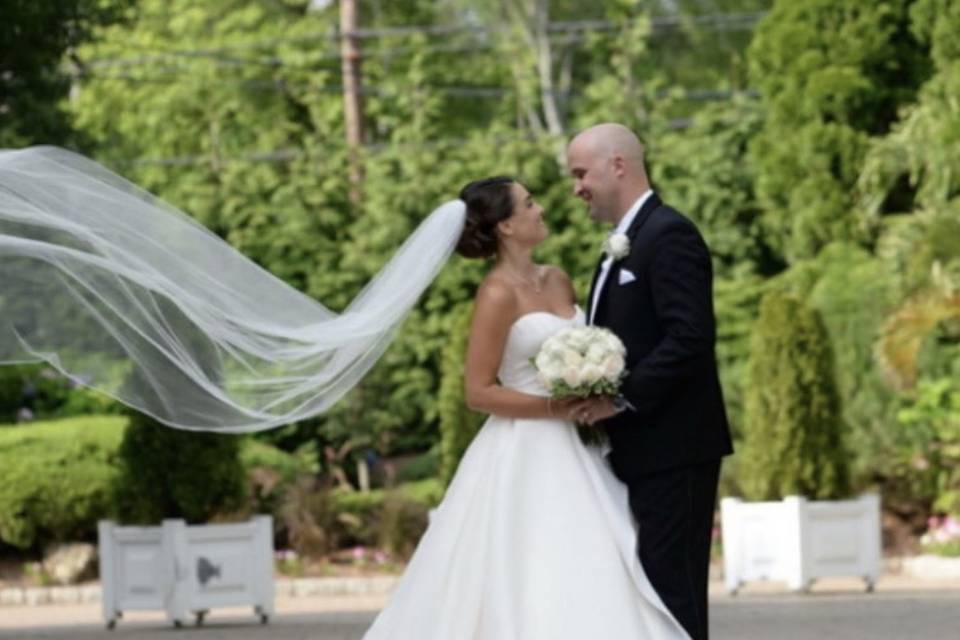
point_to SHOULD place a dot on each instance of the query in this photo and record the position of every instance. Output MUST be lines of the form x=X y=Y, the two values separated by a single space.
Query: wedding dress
x=534 y=539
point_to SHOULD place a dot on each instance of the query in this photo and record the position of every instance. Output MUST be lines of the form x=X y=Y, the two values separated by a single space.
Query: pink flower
x=952 y=526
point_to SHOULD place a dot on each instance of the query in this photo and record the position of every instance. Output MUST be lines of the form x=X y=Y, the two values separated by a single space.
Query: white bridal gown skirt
x=533 y=541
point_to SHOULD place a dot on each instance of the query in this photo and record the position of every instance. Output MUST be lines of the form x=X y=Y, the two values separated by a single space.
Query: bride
x=534 y=539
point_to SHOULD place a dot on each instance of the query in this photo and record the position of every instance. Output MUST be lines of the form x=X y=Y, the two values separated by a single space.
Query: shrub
x=170 y=473
x=793 y=440
x=930 y=430
x=60 y=477
x=421 y=467
x=393 y=519
x=56 y=479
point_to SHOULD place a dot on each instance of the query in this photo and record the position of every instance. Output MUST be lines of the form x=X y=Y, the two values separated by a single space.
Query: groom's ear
x=619 y=165
x=505 y=228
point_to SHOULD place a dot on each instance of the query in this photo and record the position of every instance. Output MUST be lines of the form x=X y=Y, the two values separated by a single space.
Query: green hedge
x=56 y=478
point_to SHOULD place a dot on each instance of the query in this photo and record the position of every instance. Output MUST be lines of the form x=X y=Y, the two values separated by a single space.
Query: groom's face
x=594 y=181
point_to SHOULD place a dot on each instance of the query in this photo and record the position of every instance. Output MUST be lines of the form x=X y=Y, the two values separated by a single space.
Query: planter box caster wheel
x=178 y=624
x=264 y=618
x=111 y=624
x=871 y=586
x=199 y=616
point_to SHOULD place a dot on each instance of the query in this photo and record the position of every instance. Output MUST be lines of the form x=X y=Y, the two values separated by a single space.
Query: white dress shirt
x=622 y=227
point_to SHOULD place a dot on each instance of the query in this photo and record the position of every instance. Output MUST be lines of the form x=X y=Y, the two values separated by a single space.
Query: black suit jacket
x=665 y=318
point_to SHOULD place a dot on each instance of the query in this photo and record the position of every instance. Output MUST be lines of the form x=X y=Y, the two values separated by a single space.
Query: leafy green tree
x=35 y=39
x=793 y=435
x=916 y=162
x=704 y=173
x=831 y=75
x=912 y=171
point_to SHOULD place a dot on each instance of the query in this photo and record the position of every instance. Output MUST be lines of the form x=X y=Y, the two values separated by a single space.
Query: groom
x=668 y=431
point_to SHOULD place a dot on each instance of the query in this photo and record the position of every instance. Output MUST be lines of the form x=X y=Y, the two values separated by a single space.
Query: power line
x=575 y=31
x=463 y=91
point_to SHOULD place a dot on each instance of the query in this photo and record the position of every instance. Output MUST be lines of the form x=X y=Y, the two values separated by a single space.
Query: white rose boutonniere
x=617 y=245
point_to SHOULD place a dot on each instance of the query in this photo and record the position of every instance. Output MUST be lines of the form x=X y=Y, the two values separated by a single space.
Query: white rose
x=596 y=353
x=571 y=375
x=572 y=358
x=613 y=367
x=542 y=361
x=591 y=373
x=579 y=339
x=553 y=371
x=614 y=345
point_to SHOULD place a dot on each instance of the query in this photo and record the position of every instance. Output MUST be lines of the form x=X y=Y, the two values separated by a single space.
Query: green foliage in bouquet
x=601 y=387
x=793 y=435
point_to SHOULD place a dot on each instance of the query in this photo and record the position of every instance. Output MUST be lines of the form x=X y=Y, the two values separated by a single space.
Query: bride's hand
x=595 y=409
x=569 y=408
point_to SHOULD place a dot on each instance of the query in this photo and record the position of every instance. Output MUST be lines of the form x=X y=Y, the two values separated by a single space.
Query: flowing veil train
x=128 y=295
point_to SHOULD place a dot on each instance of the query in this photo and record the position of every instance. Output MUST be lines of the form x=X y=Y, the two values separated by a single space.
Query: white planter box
x=183 y=569
x=798 y=541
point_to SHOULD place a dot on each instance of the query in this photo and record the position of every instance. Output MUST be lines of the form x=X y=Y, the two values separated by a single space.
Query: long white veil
x=128 y=295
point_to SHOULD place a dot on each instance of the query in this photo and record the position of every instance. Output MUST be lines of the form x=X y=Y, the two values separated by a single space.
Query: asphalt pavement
x=839 y=614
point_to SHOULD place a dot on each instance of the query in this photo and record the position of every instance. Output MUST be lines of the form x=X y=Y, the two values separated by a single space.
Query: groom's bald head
x=607 y=165
x=611 y=139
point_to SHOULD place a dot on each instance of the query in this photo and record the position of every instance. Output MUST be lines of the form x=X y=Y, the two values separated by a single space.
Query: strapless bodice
x=523 y=343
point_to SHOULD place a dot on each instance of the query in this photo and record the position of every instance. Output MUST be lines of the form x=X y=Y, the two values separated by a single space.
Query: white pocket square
x=626 y=277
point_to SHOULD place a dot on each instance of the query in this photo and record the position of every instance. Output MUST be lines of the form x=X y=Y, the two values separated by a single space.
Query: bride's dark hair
x=488 y=202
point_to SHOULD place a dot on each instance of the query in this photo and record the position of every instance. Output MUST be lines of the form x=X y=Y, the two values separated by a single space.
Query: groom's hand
x=597 y=409
x=572 y=408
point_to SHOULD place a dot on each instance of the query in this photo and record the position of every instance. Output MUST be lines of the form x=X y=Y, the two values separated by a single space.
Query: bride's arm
x=494 y=312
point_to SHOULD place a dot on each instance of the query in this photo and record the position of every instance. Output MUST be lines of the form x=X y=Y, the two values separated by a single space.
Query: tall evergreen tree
x=832 y=73
x=793 y=440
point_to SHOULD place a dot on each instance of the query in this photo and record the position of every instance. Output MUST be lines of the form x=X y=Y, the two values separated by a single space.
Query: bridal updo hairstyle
x=489 y=201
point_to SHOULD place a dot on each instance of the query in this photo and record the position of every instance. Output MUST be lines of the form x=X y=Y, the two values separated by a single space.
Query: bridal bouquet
x=582 y=362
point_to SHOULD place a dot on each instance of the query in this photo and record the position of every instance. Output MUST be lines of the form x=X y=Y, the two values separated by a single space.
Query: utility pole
x=352 y=107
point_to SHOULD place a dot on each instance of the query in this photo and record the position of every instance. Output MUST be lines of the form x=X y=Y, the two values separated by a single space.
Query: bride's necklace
x=534 y=283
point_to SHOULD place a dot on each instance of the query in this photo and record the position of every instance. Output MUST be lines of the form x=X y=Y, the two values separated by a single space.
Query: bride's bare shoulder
x=557 y=276
x=496 y=294
x=553 y=272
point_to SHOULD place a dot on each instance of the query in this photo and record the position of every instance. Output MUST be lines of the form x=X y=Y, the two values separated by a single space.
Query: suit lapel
x=651 y=205
x=593 y=285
